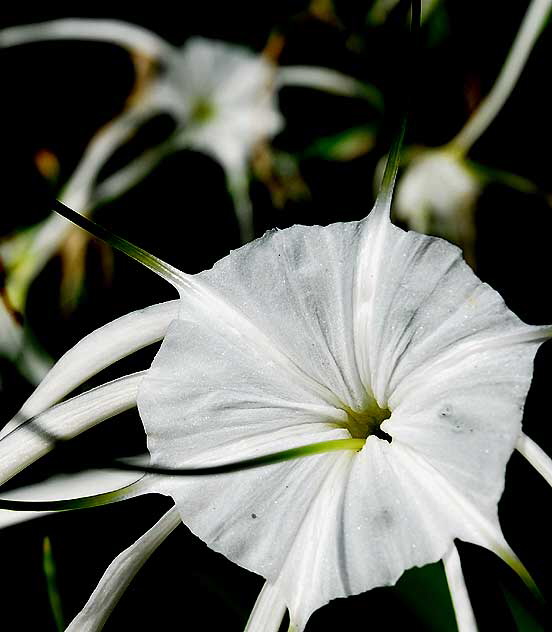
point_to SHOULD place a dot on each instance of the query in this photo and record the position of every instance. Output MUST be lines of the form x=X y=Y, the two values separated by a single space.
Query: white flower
x=222 y=97
x=437 y=194
x=360 y=338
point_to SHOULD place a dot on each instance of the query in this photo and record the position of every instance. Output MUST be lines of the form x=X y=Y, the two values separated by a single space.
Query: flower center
x=202 y=111
x=367 y=422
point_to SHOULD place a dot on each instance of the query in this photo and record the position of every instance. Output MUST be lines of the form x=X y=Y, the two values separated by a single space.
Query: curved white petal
x=465 y=618
x=536 y=456
x=62 y=487
x=95 y=352
x=328 y=80
x=120 y=573
x=34 y=439
x=131 y=36
x=268 y=611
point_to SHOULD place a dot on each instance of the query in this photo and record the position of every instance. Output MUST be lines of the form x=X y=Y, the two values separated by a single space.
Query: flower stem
x=501 y=90
x=49 y=567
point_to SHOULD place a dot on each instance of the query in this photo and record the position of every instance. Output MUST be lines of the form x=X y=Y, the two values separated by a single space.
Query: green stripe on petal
x=311 y=449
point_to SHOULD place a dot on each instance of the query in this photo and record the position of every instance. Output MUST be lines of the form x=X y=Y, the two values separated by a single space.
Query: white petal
x=26 y=444
x=465 y=618
x=77 y=485
x=268 y=611
x=95 y=352
x=119 y=574
x=124 y=34
x=422 y=303
x=465 y=417
x=326 y=79
x=295 y=286
x=536 y=456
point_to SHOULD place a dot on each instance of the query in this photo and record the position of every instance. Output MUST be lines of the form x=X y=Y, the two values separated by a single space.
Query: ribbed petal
x=95 y=352
x=119 y=574
x=34 y=439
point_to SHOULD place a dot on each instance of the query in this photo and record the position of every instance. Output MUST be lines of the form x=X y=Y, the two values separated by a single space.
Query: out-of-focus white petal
x=436 y=193
x=95 y=352
x=268 y=611
x=11 y=333
x=125 y=34
x=29 y=442
x=62 y=487
x=465 y=618
x=120 y=573
x=328 y=80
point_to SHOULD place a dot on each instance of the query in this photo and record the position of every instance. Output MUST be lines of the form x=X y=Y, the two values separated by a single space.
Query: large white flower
x=381 y=347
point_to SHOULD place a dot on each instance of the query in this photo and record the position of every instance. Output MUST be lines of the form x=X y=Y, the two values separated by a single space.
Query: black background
x=56 y=95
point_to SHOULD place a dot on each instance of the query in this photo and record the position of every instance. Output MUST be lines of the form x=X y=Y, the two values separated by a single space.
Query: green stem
x=49 y=567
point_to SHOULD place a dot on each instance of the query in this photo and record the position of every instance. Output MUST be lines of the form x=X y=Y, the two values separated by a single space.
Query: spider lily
x=222 y=97
x=438 y=190
x=376 y=353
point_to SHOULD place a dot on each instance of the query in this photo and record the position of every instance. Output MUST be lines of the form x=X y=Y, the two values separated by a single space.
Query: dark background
x=56 y=95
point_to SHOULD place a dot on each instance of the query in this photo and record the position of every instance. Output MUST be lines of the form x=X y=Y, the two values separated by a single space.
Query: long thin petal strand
x=536 y=456
x=119 y=574
x=78 y=490
x=95 y=352
x=28 y=443
x=465 y=618
x=268 y=611
x=118 y=32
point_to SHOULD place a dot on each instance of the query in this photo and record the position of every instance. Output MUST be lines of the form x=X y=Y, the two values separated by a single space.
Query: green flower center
x=202 y=111
x=365 y=423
